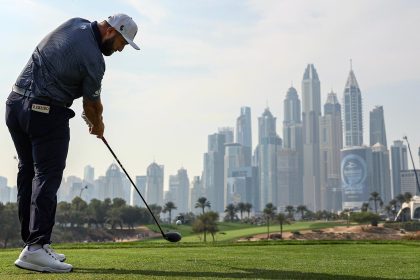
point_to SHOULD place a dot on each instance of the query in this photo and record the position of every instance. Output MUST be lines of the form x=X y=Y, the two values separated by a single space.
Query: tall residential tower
x=331 y=142
x=353 y=116
x=311 y=111
x=377 y=126
x=292 y=139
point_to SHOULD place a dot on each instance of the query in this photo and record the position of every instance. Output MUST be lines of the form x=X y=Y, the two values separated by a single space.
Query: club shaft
x=134 y=185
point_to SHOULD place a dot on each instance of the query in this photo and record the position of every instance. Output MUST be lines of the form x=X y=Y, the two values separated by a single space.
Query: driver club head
x=172 y=236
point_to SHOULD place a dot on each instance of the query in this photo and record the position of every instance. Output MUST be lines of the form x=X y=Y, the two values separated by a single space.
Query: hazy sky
x=200 y=61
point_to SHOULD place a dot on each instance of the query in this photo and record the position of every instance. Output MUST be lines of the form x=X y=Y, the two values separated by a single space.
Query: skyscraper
x=409 y=181
x=311 y=100
x=197 y=191
x=228 y=133
x=293 y=139
x=238 y=176
x=381 y=178
x=269 y=144
x=244 y=133
x=287 y=179
x=353 y=114
x=4 y=190
x=356 y=176
x=377 y=126
x=213 y=173
x=154 y=184
x=331 y=142
x=113 y=183
x=179 y=187
x=135 y=199
x=89 y=174
x=399 y=161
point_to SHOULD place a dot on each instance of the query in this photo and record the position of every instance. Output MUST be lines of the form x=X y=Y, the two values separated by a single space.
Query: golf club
x=170 y=236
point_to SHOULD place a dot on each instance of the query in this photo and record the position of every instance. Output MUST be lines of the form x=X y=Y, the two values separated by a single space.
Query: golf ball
x=178 y=222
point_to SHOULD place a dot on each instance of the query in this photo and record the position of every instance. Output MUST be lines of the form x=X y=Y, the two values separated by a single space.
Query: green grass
x=234 y=231
x=256 y=260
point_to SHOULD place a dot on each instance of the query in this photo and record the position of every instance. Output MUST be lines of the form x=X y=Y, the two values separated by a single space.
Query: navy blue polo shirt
x=66 y=64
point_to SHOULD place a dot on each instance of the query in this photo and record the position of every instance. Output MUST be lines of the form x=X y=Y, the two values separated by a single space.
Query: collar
x=95 y=29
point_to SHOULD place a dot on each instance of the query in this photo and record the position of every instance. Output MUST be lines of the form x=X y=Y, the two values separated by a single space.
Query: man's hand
x=97 y=130
x=93 y=116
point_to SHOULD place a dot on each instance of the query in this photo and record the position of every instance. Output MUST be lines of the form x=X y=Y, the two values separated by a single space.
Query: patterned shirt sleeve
x=93 y=80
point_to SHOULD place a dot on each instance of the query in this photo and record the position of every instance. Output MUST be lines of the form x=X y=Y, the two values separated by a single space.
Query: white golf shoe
x=41 y=260
x=58 y=256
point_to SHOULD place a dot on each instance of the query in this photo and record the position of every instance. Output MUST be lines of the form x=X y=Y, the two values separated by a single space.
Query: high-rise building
x=381 y=178
x=377 y=126
x=330 y=143
x=356 y=176
x=181 y=191
x=154 y=184
x=266 y=155
x=113 y=187
x=197 y=191
x=399 y=161
x=89 y=174
x=239 y=182
x=287 y=179
x=228 y=133
x=135 y=199
x=353 y=114
x=244 y=133
x=293 y=138
x=408 y=181
x=311 y=111
x=13 y=194
x=213 y=173
x=4 y=190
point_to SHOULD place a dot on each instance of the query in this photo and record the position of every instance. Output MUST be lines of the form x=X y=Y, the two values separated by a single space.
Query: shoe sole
x=34 y=267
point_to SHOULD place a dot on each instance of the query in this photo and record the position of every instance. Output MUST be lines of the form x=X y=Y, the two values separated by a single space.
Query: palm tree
x=156 y=209
x=248 y=207
x=241 y=207
x=206 y=223
x=281 y=218
x=231 y=211
x=375 y=197
x=290 y=209
x=388 y=210
x=169 y=206
x=407 y=197
x=302 y=209
x=269 y=212
x=202 y=203
x=365 y=207
x=393 y=203
x=401 y=199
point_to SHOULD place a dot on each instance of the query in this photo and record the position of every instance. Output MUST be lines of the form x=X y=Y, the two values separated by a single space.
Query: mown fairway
x=262 y=260
x=234 y=231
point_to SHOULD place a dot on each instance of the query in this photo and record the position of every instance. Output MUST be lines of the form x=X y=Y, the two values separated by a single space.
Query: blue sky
x=200 y=61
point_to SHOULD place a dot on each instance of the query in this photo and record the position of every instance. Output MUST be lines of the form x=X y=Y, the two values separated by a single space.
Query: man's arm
x=93 y=112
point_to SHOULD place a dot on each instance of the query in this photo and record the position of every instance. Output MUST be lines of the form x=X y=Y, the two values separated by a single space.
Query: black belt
x=28 y=93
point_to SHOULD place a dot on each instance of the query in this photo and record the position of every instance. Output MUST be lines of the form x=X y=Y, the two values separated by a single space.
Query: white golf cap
x=126 y=26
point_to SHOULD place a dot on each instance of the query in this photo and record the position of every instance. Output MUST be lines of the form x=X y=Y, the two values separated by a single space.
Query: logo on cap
x=121 y=27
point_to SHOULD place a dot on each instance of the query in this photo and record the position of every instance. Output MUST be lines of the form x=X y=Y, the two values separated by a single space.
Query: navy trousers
x=41 y=137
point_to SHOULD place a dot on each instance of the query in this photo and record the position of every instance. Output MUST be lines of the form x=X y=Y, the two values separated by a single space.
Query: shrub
x=365 y=217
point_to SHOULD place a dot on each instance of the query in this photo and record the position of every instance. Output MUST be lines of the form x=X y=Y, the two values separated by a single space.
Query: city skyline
x=185 y=80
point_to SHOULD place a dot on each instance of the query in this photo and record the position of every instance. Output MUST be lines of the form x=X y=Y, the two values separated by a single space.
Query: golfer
x=67 y=64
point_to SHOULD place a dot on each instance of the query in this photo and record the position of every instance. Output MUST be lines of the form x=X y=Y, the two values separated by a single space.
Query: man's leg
x=15 y=119
x=49 y=134
x=49 y=154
